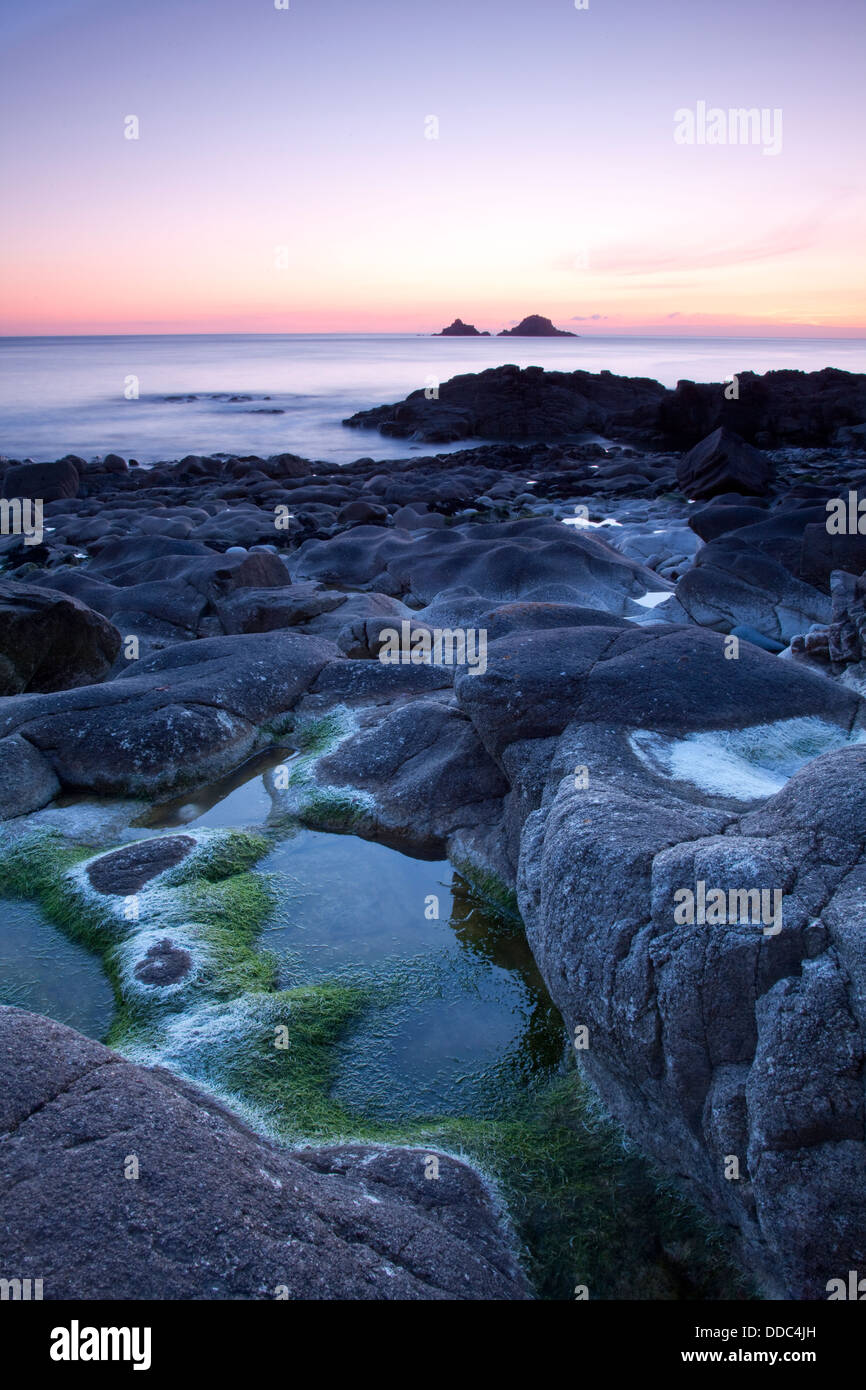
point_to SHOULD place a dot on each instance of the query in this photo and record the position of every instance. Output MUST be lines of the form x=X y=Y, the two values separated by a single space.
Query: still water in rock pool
x=42 y=970
x=456 y=1019
x=459 y=1019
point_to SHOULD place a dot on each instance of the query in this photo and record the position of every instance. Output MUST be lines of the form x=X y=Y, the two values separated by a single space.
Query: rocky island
x=535 y=326
x=459 y=329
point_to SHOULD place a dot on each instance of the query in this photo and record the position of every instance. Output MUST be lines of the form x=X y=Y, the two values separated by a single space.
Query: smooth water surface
x=43 y=971
x=459 y=1019
x=68 y=394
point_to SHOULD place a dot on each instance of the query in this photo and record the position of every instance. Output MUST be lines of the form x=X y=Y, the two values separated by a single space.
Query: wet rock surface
x=164 y=964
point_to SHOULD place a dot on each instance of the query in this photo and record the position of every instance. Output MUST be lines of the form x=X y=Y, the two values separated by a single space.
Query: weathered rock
x=536 y=561
x=127 y=870
x=177 y=719
x=717 y=1042
x=723 y=462
x=266 y=610
x=50 y=641
x=362 y=512
x=822 y=553
x=217 y=1212
x=45 y=481
x=716 y=520
x=427 y=771
x=749 y=589
x=27 y=781
x=667 y=677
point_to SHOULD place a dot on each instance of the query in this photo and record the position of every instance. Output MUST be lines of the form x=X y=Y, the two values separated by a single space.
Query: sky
x=389 y=165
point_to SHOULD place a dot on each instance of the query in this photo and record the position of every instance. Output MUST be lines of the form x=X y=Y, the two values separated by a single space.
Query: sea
x=159 y=397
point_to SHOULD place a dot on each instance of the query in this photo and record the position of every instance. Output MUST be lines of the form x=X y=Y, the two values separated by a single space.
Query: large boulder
x=44 y=481
x=722 y=516
x=729 y=588
x=174 y=720
x=27 y=781
x=666 y=677
x=732 y=1051
x=723 y=462
x=51 y=641
x=423 y=772
x=215 y=1211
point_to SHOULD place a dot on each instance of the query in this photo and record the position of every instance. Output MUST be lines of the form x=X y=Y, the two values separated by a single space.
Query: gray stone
x=217 y=1212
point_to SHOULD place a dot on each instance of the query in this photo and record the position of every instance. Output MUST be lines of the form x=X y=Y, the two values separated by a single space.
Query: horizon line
x=855 y=334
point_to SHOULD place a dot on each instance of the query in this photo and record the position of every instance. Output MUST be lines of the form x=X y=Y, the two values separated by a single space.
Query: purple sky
x=283 y=178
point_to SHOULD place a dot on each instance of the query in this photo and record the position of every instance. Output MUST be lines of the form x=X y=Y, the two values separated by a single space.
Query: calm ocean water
x=70 y=395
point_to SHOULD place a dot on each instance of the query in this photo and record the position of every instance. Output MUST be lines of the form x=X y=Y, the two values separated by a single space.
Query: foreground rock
x=216 y=1212
x=718 y=1044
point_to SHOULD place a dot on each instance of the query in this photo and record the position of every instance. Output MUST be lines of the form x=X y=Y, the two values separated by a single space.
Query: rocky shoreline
x=671 y=695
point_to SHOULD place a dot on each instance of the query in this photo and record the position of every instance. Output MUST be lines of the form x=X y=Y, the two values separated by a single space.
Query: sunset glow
x=299 y=138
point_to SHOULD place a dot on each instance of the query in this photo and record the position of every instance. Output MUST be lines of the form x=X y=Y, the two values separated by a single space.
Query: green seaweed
x=586 y=1207
x=291 y=1084
x=327 y=809
x=489 y=889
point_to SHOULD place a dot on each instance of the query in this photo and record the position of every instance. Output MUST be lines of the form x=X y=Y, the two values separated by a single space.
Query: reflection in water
x=242 y=797
x=459 y=1020
x=42 y=970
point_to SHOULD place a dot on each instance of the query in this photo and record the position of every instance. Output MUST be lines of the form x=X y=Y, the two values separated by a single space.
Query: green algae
x=587 y=1209
x=289 y=1065
x=490 y=889
x=219 y=857
x=333 y=810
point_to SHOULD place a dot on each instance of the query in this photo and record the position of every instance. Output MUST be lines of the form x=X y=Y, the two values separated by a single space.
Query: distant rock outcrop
x=534 y=326
x=459 y=329
x=510 y=403
x=805 y=409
